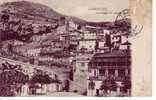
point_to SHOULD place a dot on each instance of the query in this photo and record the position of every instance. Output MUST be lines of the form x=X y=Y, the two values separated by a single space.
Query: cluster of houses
x=93 y=55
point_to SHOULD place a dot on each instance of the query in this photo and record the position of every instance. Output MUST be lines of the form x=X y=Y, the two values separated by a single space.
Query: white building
x=90 y=35
x=61 y=29
x=34 y=52
x=16 y=42
x=71 y=25
x=88 y=44
x=125 y=45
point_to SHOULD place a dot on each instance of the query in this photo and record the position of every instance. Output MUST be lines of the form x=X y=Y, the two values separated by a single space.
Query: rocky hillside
x=34 y=11
x=30 y=11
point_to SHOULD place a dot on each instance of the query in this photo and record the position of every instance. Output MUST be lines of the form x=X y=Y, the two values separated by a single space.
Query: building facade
x=114 y=66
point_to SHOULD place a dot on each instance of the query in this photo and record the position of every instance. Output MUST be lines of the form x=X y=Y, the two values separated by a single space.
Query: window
x=82 y=70
x=82 y=64
x=102 y=71
x=82 y=46
x=94 y=72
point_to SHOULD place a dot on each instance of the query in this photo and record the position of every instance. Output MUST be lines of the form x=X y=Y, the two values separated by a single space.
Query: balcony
x=103 y=77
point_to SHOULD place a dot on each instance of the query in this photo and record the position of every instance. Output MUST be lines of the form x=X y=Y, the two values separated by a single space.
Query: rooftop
x=117 y=58
x=114 y=53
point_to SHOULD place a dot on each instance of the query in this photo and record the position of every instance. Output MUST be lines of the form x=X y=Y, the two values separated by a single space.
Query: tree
x=9 y=78
x=5 y=17
x=41 y=78
x=13 y=76
x=5 y=90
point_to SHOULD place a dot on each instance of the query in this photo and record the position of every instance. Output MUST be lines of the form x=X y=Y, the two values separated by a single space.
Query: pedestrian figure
x=91 y=87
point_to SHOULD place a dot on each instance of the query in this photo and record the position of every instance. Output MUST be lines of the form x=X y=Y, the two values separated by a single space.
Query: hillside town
x=61 y=56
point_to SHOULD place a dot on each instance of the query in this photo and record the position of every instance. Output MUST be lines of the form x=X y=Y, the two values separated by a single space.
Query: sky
x=90 y=10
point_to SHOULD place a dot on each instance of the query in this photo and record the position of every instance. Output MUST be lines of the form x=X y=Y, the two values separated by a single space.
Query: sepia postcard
x=99 y=48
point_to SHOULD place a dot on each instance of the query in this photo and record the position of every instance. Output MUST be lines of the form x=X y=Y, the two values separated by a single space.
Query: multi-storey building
x=80 y=69
x=114 y=65
x=88 y=44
